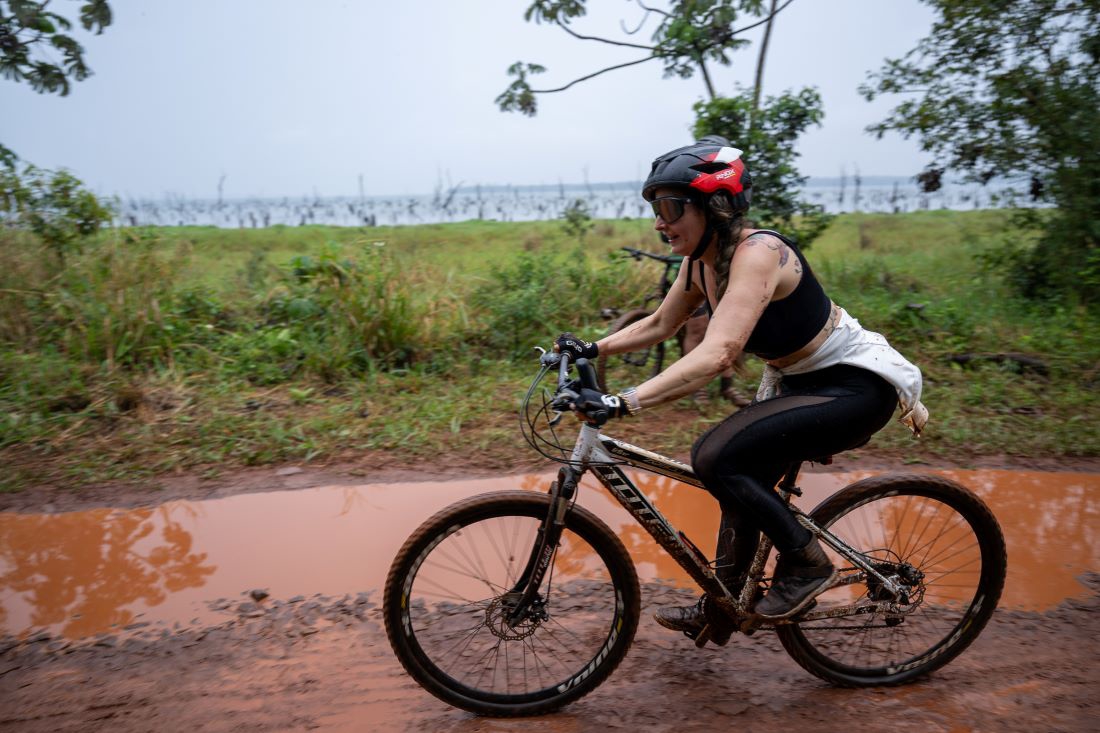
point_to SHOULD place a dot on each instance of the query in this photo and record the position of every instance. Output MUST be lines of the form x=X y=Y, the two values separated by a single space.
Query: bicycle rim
x=454 y=592
x=946 y=550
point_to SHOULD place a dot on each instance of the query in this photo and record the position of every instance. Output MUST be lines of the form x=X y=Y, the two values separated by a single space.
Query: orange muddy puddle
x=82 y=573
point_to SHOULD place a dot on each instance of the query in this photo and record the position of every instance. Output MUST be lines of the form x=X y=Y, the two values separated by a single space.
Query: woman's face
x=684 y=233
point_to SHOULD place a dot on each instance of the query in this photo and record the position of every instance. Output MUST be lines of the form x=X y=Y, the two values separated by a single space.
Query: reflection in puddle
x=85 y=572
x=80 y=572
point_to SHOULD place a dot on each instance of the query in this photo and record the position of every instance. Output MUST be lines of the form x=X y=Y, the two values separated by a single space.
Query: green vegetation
x=32 y=37
x=197 y=349
x=1011 y=90
x=53 y=205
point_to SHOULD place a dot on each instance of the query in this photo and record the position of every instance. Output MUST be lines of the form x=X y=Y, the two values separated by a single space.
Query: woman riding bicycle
x=829 y=385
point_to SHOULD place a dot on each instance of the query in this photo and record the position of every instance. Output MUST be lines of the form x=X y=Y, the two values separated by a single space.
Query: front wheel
x=942 y=546
x=447 y=598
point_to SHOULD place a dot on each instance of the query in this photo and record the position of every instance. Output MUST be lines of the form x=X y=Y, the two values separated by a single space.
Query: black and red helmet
x=706 y=166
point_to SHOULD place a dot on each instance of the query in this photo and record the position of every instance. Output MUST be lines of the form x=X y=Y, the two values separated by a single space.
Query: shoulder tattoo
x=768 y=240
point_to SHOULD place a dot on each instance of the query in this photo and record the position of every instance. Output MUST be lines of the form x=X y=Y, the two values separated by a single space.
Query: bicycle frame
x=604 y=457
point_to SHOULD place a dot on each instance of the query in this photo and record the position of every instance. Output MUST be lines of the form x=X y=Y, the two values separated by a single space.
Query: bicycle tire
x=963 y=570
x=591 y=593
x=620 y=371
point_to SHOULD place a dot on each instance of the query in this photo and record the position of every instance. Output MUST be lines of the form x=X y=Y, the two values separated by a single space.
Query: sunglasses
x=669 y=208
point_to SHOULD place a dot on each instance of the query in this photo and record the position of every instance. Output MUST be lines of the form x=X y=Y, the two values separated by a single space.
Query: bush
x=105 y=307
x=532 y=298
x=332 y=316
x=576 y=220
x=52 y=204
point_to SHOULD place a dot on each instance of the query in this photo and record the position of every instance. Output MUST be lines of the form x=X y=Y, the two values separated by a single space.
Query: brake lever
x=563 y=398
x=560 y=404
x=548 y=358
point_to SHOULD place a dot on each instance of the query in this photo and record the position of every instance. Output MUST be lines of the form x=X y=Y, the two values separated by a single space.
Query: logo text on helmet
x=725 y=174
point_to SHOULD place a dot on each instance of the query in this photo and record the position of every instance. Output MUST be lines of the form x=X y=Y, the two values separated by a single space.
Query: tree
x=768 y=135
x=689 y=35
x=29 y=32
x=1011 y=90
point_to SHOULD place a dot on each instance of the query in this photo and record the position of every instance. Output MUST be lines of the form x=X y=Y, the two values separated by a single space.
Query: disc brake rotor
x=496 y=618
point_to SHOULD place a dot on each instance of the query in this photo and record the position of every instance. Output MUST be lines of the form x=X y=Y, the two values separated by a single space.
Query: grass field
x=199 y=349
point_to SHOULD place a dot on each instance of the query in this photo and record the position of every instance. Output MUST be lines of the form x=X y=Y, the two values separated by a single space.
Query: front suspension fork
x=526 y=588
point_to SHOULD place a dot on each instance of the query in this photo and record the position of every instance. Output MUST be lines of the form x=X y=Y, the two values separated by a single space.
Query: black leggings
x=741 y=459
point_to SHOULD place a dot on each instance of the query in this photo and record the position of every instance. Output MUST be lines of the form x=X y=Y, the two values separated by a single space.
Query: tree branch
x=573 y=33
x=706 y=79
x=624 y=29
x=586 y=78
x=759 y=85
x=648 y=9
x=765 y=20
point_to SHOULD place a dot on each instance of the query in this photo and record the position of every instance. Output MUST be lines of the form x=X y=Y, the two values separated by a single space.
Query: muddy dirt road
x=309 y=661
x=325 y=664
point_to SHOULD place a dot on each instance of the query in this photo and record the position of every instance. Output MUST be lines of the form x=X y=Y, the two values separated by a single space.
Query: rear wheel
x=940 y=544
x=450 y=590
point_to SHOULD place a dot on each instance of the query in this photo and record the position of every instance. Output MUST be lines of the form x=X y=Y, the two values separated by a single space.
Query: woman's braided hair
x=728 y=223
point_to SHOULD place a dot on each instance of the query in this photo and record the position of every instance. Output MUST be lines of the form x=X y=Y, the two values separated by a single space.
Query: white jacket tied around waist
x=850 y=343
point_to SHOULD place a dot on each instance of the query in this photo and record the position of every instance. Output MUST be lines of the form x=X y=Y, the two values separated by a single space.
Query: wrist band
x=630 y=399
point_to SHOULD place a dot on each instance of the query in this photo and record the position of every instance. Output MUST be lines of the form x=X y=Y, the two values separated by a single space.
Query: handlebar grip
x=587 y=372
x=563 y=370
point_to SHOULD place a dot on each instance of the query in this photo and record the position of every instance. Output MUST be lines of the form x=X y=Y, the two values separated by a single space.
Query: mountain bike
x=637 y=366
x=517 y=603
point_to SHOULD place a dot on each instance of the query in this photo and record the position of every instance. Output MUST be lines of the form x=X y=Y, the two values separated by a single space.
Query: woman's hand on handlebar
x=576 y=347
x=591 y=405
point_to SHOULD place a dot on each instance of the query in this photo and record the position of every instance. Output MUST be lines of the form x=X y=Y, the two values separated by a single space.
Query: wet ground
x=142 y=619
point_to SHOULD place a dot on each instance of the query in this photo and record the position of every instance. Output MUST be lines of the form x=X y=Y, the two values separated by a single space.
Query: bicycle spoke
x=454 y=594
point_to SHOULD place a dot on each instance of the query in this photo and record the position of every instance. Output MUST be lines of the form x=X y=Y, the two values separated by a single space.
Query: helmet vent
x=710 y=167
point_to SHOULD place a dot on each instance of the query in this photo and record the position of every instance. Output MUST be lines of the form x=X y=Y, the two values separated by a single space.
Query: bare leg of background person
x=730 y=392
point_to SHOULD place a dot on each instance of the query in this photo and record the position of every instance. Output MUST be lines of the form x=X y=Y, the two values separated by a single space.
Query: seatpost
x=787 y=485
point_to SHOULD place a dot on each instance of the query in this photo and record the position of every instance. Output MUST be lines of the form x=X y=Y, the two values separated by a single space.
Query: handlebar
x=638 y=254
x=567 y=391
x=563 y=372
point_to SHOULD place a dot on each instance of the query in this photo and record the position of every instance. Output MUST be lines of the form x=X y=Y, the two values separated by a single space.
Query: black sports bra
x=790 y=323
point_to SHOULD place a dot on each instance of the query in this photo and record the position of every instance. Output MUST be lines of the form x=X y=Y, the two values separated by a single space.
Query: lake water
x=518 y=203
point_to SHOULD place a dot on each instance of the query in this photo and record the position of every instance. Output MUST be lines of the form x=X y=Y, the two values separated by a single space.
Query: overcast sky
x=285 y=97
